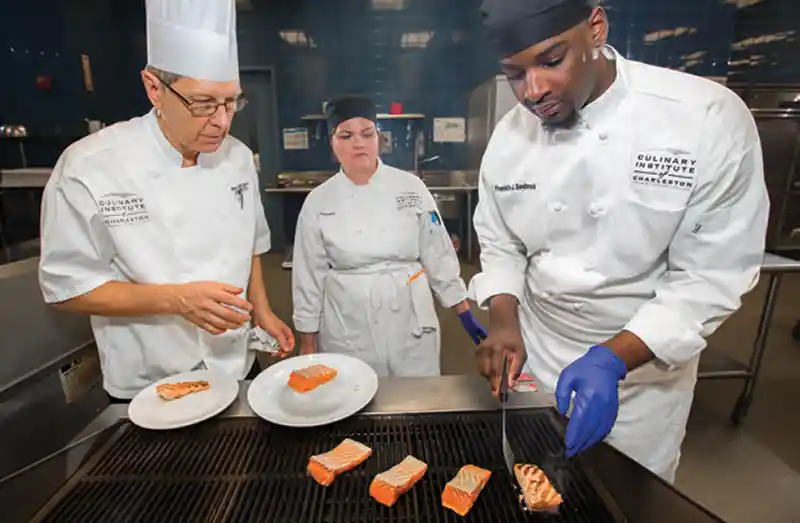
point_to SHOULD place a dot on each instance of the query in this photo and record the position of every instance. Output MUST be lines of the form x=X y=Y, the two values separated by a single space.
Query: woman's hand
x=308 y=343
x=472 y=326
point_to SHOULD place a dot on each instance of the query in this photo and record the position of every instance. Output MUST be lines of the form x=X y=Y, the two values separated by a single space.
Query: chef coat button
x=558 y=207
x=602 y=135
x=596 y=209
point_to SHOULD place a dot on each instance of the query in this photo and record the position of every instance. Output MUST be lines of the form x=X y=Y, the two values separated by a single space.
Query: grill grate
x=246 y=470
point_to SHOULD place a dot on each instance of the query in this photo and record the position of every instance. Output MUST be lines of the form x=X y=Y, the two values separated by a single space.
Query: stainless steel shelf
x=715 y=365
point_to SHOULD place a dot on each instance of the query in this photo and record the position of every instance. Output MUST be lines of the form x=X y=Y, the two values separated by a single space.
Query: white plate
x=351 y=390
x=149 y=411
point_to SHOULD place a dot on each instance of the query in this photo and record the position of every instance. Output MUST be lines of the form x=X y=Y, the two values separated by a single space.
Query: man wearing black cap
x=622 y=216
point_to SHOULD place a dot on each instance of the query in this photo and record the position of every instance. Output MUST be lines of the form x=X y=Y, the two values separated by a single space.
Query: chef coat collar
x=596 y=112
x=375 y=178
x=170 y=153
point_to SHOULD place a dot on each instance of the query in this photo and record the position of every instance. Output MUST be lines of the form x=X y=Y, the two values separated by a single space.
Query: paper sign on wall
x=295 y=138
x=449 y=130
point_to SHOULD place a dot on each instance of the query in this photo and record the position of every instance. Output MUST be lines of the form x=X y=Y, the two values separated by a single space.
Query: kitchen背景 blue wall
x=426 y=54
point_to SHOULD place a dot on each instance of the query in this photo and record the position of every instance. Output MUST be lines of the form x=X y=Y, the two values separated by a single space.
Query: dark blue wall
x=766 y=46
x=357 y=48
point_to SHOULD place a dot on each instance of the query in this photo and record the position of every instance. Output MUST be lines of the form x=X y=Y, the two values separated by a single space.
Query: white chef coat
x=649 y=216
x=356 y=250
x=119 y=207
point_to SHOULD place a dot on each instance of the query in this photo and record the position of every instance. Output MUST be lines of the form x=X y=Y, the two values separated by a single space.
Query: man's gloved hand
x=594 y=377
x=471 y=325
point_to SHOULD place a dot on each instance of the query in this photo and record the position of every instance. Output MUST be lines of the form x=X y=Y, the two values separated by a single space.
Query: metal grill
x=246 y=470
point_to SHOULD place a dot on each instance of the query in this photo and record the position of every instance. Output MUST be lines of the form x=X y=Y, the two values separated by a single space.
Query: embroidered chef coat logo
x=518 y=186
x=239 y=191
x=408 y=200
x=664 y=169
x=123 y=209
x=435 y=219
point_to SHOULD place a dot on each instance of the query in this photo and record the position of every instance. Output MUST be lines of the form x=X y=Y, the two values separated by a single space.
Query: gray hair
x=165 y=77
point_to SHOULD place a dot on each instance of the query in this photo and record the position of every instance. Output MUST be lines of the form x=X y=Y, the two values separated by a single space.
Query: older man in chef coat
x=154 y=226
x=622 y=216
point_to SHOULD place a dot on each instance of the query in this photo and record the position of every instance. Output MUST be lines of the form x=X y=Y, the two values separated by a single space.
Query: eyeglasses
x=210 y=107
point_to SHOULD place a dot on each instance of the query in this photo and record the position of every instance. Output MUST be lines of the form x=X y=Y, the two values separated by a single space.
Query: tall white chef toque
x=194 y=38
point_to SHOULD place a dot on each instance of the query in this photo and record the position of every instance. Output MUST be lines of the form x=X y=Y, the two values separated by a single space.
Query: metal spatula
x=508 y=454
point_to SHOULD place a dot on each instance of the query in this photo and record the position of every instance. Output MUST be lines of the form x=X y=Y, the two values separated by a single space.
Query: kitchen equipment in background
x=94 y=125
x=488 y=103
x=385 y=146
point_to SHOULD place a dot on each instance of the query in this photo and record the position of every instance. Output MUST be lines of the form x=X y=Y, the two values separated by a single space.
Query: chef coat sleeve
x=438 y=257
x=503 y=259
x=263 y=239
x=309 y=270
x=76 y=248
x=716 y=254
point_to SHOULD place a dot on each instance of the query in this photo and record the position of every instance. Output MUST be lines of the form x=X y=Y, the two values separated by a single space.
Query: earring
x=158 y=113
x=595 y=53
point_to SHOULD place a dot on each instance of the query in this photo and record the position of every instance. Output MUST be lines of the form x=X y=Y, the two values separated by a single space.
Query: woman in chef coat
x=369 y=246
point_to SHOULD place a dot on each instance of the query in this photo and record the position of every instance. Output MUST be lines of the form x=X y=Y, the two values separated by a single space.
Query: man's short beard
x=570 y=122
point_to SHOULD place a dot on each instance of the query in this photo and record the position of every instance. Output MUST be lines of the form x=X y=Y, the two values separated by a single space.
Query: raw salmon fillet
x=173 y=391
x=389 y=485
x=461 y=492
x=537 y=491
x=309 y=378
x=347 y=455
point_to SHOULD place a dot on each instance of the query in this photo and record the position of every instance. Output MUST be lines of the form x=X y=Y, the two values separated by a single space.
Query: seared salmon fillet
x=388 y=486
x=309 y=378
x=537 y=491
x=173 y=391
x=347 y=455
x=461 y=492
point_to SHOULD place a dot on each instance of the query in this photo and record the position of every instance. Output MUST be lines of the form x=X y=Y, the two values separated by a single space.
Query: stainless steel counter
x=640 y=494
x=36 y=337
x=25 y=178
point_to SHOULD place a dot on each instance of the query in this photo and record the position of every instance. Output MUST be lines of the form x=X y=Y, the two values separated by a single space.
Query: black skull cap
x=515 y=25
x=344 y=108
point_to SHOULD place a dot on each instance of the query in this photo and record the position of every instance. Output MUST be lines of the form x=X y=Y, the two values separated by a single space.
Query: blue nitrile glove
x=594 y=377
x=473 y=328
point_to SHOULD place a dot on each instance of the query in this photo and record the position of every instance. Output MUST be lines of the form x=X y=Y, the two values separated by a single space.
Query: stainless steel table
x=640 y=495
x=714 y=365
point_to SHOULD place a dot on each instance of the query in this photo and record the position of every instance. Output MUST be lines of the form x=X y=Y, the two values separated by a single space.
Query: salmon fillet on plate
x=347 y=455
x=173 y=391
x=309 y=378
x=462 y=491
x=388 y=486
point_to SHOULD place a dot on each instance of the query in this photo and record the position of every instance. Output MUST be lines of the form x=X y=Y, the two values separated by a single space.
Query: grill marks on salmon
x=309 y=378
x=347 y=455
x=537 y=491
x=388 y=486
x=462 y=491
x=173 y=391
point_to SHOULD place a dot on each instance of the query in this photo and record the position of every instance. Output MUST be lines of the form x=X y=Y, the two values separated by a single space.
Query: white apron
x=120 y=207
